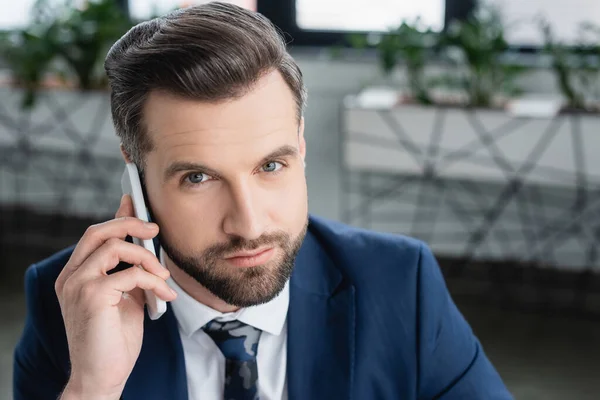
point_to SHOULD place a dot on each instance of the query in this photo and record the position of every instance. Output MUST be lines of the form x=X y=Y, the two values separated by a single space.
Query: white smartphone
x=131 y=185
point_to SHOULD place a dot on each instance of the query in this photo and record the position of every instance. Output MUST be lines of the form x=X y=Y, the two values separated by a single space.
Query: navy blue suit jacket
x=369 y=318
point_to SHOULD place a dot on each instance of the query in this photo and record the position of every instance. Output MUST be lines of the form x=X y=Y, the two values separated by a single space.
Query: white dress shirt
x=204 y=362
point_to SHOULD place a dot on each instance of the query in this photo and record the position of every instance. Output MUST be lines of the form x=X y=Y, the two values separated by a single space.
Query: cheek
x=184 y=219
x=291 y=206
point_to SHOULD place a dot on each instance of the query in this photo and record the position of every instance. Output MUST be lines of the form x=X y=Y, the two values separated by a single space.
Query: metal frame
x=480 y=214
x=32 y=229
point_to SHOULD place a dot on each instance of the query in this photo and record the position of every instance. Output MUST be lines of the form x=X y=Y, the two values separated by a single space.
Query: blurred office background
x=473 y=126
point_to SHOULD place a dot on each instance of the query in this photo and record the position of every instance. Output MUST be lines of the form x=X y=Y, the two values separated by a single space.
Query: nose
x=244 y=217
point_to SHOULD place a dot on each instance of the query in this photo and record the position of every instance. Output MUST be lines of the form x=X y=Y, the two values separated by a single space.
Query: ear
x=124 y=154
x=301 y=140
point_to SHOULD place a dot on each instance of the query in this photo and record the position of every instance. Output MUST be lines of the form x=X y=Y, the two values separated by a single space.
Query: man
x=264 y=301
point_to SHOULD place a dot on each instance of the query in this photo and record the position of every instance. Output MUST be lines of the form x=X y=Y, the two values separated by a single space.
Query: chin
x=240 y=283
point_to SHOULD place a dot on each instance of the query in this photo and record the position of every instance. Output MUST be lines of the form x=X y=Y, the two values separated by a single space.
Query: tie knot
x=236 y=340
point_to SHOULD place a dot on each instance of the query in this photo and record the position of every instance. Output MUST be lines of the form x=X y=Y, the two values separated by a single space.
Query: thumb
x=125 y=208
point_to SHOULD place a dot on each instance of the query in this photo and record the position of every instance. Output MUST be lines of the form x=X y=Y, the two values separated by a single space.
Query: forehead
x=265 y=113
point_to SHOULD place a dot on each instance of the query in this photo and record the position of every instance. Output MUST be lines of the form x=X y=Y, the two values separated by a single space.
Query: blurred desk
x=476 y=184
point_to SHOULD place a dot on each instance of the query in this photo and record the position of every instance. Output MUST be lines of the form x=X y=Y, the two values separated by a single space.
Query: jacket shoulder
x=41 y=354
x=43 y=309
x=42 y=304
x=369 y=255
x=46 y=271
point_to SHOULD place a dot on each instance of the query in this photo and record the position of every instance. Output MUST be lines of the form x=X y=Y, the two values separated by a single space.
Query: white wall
x=328 y=81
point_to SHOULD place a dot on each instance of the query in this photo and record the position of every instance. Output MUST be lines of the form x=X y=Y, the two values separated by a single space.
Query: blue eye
x=196 y=178
x=272 y=166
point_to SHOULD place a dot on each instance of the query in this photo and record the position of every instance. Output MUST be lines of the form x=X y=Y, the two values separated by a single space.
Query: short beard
x=241 y=287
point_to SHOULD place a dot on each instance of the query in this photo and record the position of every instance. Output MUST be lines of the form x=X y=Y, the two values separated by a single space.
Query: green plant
x=28 y=56
x=562 y=65
x=66 y=40
x=412 y=46
x=576 y=67
x=85 y=35
x=588 y=76
x=409 y=46
x=476 y=46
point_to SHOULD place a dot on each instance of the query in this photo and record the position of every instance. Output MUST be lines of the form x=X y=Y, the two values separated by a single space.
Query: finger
x=132 y=278
x=136 y=295
x=125 y=207
x=114 y=251
x=96 y=235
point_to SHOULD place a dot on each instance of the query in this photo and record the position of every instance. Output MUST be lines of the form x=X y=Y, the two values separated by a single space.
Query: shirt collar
x=193 y=315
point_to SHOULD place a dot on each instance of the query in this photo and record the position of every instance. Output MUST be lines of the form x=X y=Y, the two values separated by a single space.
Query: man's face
x=226 y=185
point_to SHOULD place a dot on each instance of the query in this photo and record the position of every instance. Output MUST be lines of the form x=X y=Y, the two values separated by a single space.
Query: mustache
x=240 y=244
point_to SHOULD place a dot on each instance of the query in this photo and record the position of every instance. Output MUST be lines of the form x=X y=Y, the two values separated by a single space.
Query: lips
x=245 y=259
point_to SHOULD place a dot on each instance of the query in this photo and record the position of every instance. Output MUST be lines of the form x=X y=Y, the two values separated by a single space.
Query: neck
x=196 y=290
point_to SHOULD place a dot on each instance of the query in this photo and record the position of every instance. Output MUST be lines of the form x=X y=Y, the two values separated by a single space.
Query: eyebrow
x=282 y=152
x=182 y=166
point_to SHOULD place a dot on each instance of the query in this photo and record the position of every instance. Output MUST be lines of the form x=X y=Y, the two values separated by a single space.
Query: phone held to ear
x=131 y=185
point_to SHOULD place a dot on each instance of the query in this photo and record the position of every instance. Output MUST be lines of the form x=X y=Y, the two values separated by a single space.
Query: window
x=328 y=22
x=19 y=14
x=146 y=9
x=564 y=17
x=15 y=14
x=367 y=15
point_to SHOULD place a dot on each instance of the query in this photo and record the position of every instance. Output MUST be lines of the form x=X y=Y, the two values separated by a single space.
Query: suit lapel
x=320 y=328
x=159 y=372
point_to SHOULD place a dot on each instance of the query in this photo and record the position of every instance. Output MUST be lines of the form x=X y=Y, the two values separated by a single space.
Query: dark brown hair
x=212 y=52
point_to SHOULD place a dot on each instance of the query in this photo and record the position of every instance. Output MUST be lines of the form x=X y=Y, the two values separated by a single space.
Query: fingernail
x=173 y=292
x=150 y=225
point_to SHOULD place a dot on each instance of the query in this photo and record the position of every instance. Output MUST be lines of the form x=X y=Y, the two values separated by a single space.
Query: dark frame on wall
x=283 y=14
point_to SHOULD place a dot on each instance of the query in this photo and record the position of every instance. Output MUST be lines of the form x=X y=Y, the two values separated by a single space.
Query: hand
x=105 y=327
